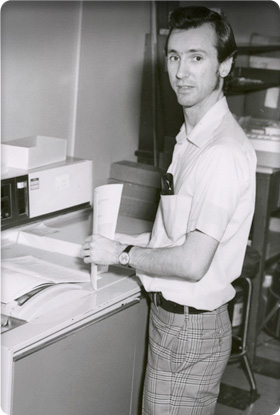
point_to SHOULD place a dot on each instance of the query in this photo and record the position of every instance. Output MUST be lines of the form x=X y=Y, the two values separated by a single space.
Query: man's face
x=193 y=67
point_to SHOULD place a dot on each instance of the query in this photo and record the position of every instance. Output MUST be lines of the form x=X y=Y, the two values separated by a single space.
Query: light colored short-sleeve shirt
x=214 y=170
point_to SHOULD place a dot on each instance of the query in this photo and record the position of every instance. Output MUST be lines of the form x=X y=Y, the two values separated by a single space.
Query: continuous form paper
x=106 y=205
x=22 y=274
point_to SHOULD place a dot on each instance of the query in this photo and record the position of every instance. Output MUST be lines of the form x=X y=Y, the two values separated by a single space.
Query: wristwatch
x=124 y=256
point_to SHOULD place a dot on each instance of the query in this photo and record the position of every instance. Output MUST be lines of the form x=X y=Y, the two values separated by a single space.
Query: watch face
x=124 y=258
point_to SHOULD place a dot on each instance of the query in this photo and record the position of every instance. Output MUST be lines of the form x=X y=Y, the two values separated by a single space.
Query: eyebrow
x=188 y=51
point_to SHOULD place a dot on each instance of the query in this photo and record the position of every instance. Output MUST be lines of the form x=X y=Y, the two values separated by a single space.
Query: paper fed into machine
x=38 y=304
x=32 y=287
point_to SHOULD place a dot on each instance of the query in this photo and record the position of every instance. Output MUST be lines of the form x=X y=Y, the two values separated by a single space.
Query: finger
x=87 y=260
x=85 y=252
x=86 y=246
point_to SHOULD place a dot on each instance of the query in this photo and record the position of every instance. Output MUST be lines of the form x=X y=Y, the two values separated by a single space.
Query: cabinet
x=96 y=369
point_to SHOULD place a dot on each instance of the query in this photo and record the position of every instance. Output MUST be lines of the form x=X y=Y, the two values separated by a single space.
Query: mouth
x=184 y=88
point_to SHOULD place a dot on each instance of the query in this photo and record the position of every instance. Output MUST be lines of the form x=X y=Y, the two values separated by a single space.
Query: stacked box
x=141 y=191
x=136 y=191
x=139 y=209
x=143 y=174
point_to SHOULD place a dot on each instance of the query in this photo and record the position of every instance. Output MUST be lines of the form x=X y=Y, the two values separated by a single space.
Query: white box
x=268 y=159
x=264 y=62
x=270 y=146
x=35 y=151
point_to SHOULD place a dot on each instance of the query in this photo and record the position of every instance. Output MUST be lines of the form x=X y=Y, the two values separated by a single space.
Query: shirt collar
x=202 y=133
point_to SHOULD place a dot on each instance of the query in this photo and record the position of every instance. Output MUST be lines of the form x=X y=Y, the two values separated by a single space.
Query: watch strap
x=128 y=248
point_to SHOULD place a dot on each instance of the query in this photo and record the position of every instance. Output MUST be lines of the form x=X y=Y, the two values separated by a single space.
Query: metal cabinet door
x=87 y=372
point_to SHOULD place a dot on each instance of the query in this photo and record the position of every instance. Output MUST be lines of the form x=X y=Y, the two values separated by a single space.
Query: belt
x=159 y=301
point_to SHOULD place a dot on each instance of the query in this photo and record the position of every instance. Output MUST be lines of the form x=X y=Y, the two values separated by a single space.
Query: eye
x=173 y=58
x=198 y=58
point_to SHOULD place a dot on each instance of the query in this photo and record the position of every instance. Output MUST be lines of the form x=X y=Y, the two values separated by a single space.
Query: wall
x=39 y=44
x=74 y=70
x=112 y=55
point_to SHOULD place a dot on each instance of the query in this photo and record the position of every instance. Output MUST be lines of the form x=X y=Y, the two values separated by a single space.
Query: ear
x=225 y=67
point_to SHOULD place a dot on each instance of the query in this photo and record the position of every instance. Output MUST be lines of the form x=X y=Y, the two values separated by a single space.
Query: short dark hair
x=184 y=18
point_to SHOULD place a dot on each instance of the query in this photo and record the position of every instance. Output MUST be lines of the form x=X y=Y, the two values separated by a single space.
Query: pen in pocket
x=167 y=185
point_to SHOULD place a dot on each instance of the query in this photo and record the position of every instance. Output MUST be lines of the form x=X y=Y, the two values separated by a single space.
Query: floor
x=235 y=399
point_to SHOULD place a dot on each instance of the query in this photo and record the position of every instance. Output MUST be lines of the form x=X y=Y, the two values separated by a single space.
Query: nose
x=183 y=69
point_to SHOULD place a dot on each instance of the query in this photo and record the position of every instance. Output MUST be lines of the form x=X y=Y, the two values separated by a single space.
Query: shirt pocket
x=175 y=211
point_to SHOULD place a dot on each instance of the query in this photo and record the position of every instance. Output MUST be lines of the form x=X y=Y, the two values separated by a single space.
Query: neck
x=195 y=113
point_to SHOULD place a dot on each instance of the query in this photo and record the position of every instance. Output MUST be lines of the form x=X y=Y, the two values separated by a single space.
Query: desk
x=267 y=202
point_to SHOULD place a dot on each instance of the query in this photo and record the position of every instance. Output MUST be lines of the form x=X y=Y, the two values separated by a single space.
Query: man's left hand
x=101 y=251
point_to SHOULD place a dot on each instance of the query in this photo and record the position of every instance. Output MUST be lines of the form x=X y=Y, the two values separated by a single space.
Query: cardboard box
x=35 y=151
x=143 y=174
x=136 y=191
x=266 y=145
x=268 y=159
x=139 y=209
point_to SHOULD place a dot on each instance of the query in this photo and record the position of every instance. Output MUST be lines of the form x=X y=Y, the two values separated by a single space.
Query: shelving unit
x=254 y=49
x=267 y=203
x=242 y=87
x=257 y=78
x=268 y=186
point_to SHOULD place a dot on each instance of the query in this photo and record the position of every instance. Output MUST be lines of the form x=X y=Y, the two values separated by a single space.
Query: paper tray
x=35 y=151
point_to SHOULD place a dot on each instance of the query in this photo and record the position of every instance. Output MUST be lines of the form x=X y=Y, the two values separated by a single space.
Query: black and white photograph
x=140 y=207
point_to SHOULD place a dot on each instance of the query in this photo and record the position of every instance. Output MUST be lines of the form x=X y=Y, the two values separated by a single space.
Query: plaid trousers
x=187 y=356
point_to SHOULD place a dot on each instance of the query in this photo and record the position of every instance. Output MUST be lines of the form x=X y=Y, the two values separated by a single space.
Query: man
x=198 y=242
